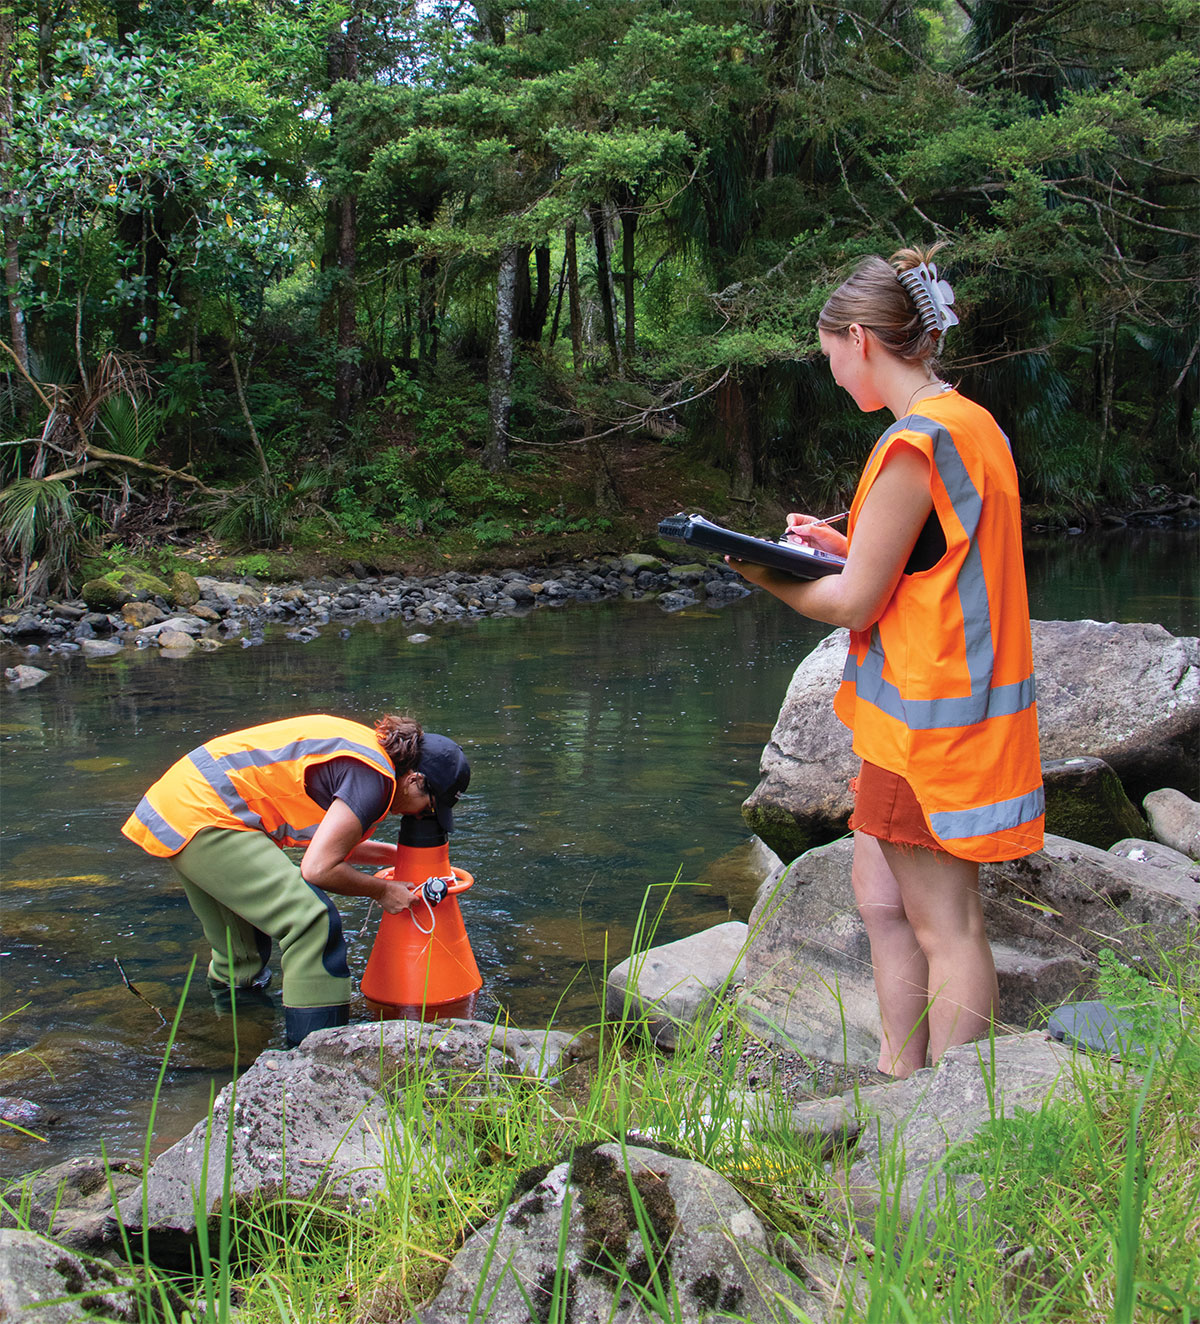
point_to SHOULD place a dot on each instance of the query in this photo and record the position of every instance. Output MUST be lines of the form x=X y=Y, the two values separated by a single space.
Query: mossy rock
x=112 y=591
x=1086 y=802
x=184 y=591
x=780 y=831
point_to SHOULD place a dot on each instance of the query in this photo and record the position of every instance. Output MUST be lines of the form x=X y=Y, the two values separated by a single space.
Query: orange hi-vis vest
x=940 y=690
x=251 y=780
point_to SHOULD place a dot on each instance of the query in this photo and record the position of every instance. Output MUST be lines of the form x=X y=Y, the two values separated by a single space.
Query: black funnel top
x=421 y=831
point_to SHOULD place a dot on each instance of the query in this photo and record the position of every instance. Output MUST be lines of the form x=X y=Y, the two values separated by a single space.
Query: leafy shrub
x=471 y=485
x=488 y=531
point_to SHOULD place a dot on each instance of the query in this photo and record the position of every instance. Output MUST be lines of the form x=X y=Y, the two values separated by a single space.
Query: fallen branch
x=137 y=993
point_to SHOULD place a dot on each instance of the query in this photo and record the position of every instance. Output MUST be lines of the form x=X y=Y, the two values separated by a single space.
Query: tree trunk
x=500 y=360
x=345 y=382
x=12 y=224
x=343 y=67
x=600 y=236
x=574 y=308
x=427 y=328
x=736 y=415
x=628 y=228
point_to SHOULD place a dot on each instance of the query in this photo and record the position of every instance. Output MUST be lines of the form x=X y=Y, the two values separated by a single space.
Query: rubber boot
x=299 y=1022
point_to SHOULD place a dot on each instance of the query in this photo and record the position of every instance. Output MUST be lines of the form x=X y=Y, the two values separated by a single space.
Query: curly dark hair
x=400 y=737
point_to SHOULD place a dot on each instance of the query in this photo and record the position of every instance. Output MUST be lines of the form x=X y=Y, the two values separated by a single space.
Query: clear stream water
x=611 y=748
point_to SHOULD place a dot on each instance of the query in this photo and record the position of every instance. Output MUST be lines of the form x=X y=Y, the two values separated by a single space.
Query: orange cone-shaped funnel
x=412 y=972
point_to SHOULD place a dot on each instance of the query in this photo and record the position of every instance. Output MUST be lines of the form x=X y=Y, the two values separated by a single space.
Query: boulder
x=221 y=590
x=100 y=647
x=932 y=1111
x=318 y=1122
x=1127 y=694
x=34 y=1271
x=141 y=614
x=806 y=978
x=112 y=591
x=1175 y=821
x=570 y=1245
x=672 y=986
x=73 y=1201
x=1085 y=801
x=633 y=563
x=806 y=975
x=184 y=590
x=176 y=641
x=1153 y=853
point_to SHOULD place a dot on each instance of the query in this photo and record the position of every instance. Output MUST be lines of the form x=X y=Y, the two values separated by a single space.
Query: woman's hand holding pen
x=808 y=530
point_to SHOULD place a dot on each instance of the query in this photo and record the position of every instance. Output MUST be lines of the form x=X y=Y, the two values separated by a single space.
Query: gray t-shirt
x=366 y=792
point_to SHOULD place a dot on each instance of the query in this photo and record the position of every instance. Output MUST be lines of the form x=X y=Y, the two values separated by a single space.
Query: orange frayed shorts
x=885 y=807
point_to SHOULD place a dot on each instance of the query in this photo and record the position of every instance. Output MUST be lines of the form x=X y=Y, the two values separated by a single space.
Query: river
x=611 y=747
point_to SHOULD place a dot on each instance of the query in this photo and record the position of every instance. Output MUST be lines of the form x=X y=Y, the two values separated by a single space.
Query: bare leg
x=898 y=962
x=940 y=895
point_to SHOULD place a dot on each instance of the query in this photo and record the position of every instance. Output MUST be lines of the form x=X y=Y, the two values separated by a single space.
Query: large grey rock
x=318 y=1122
x=923 y=1117
x=101 y=647
x=34 y=1271
x=1076 y=899
x=1127 y=694
x=674 y=985
x=806 y=975
x=220 y=590
x=73 y=1201
x=1175 y=821
x=575 y=1236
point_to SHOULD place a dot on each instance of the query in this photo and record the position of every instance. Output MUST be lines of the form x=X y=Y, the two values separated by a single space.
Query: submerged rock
x=23 y=677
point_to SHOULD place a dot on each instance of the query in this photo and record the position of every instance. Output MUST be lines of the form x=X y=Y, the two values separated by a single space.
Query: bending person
x=222 y=813
x=938 y=686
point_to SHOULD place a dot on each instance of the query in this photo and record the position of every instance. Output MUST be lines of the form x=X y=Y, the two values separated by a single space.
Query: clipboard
x=791 y=558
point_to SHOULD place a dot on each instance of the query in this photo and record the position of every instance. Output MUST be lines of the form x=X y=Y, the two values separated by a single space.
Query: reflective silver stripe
x=932 y=714
x=286 y=831
x=330 y=747
x=157 y=826
x=986 y=819
x=216 y=776
x=215 y=772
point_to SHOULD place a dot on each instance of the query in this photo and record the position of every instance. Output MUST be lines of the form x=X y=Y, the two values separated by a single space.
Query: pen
x=831 y=519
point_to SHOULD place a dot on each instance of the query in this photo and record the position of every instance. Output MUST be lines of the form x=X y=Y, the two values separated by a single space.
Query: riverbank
x=129 y=608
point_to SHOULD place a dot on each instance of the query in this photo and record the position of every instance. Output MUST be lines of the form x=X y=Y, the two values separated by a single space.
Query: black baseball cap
x=447 y=774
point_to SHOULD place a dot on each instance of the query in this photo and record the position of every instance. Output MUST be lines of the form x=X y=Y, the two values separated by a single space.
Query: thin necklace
x=933 y=381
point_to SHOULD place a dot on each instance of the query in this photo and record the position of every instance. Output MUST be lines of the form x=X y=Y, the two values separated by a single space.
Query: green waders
x=246 y=891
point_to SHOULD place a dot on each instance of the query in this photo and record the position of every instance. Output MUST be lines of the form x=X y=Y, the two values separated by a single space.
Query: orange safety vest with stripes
x=251 y=780
x=940 y=690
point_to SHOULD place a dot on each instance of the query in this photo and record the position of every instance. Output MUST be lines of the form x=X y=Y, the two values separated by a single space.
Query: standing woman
x=938 y=687
x=221 y=814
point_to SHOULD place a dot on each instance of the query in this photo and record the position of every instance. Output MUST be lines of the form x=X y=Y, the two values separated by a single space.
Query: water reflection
x=611 y=746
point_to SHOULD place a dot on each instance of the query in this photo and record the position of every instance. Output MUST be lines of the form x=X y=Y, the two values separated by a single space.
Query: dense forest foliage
x=313 y=268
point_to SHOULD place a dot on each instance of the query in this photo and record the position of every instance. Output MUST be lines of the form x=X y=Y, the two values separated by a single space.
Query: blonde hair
x=873 y=297
x=400 y=738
